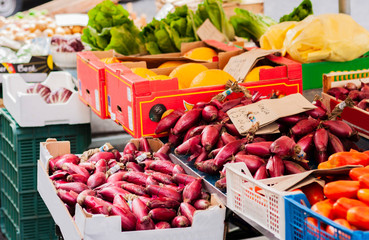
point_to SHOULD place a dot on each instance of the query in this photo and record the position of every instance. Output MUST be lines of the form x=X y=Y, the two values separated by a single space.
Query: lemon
x=201 y=53
x=159 y=77
x=211 y=77
x=185 y=73
x=253 y=75
x=171 y=64
x=110 y=60
x=143 y=72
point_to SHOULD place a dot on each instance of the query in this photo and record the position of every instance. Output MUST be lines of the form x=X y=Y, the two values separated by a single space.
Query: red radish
x=92 y=202
x=219 y=144
x=116 y=177
x=115 y=184
x=144 y=199
x=162 y=177
x=88 y=166
x=162 y=214
x=109 y=193
x=162 y=225
x=317 y=113
x=144 y=222
x=286 y=147
x=127 y=158
x=161 y=156
x=192 y=191
x=132 y=166
x=71 y=186
x=178 y=169
x=83 y=194
x=209 y=113
x=187 y=210
x=321 y=156
x=59 y=175
x=165 y=149
x=306 y=142
x=201 y=204
x=205 y=195
x=174 y=140
x=338 y=92
x=321 y=140
x=67 y=158
x=77 y=178
x=202 y=156
x=96 y=180
x=304 y=126
x=201 y=104
x=101 y=155
x=184 y=148
x=101 y=166
x=68 y=197
x=174 y=187
x=180 y=221
x=207 y=166
x=134 y=188
x=130 y=148
x=227 y=152
x=162 y=166
x=181 y=178
x=138 y=178
x=334 y=144
x=144 y=145
x=227 y=138
x=231 y=128
x=100 y=210
x=230 y=104
x=338 y=128
x=52 y=162
x=275 y=166
x=121 y=202
x=252 y=162
x=186 y=121
x=261 y=173
x=151 y=181
x=210 y=136
x=222 y=116
x=193 y=131
x=216 y=103
x=75 y=169
x=116 y=154
x=128 y=219
x=213 y=153
x=261 y=149
x=292 y=120
x=164 y=192
x=292 y=167
x=162 y=202
x=221 y=184
x=194 y=155
x=169 y=121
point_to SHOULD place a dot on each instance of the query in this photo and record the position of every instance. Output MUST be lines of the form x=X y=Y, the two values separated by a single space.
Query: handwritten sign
x=267 y=111
x=207 y=31
x=239 y=66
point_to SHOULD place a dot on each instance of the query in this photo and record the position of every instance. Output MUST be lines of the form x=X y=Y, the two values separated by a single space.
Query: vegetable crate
x=138 y=104
x=25 y=214
x=297 y=210
x=256 y=200
x=312 y=73
x=356 y=117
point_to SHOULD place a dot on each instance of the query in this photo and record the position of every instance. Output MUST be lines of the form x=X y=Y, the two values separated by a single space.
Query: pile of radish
x=208 y=136
x=144 y=188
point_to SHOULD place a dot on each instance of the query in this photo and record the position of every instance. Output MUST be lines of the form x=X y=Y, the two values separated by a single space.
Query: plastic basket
x=298 y=210
x=256 y=199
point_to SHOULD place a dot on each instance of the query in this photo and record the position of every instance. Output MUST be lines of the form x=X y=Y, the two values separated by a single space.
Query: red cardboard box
x=137 y=104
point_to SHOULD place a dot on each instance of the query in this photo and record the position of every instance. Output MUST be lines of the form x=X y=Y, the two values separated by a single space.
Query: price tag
x=207 y=31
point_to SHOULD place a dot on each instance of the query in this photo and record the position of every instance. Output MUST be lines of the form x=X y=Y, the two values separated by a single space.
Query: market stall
x=223 y=123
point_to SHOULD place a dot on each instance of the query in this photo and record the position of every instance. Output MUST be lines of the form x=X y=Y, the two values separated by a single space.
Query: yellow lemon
x=110 y=60
x=253 y=75
x=159 y=77
x=185 y=73
x=171 y=64
x=201 y=53
x=143 y=72
x=211 y=77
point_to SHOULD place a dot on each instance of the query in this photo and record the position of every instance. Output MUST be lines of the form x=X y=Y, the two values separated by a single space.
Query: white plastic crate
x=256 y=199
x=31 y=110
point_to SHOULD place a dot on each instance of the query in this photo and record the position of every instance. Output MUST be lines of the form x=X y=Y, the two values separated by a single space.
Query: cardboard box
x=312 y=73
x=31 y=110
x=208 y=224
x=91 y=71
x=356 y=117
x=137 y=104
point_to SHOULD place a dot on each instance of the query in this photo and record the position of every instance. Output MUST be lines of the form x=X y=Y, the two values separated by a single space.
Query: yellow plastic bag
x=329 y=37
x=274 y=37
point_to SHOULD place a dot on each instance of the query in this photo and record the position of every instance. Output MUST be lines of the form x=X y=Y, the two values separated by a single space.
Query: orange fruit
x=159 y=77
x=185 y=73
x=210 y=78
x=143 y=72
x=254 y=74
x=110 y=60
x=171 y=64
x=201 y=53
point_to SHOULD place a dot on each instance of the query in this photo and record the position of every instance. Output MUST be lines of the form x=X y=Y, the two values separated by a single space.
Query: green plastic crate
x=312 y=73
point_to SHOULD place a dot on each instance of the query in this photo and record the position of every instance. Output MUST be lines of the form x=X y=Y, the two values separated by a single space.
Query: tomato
x=355 y=173
x=363 y=195
x=314 y=192
x=342 y=188
x=364 y=181
x=340 y=221
x=342 y=205
x=359 y=217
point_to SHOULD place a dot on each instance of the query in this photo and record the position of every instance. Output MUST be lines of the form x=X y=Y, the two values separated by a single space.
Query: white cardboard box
x=208 y=224
x=30 y=110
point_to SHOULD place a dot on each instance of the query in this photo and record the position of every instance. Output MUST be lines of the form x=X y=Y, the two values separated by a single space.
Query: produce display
x=143 y=187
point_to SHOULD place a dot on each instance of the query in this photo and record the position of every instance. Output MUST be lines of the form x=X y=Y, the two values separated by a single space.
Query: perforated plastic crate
x=297 y=209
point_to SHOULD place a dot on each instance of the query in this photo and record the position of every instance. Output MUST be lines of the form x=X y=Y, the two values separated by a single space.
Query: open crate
x=356 y=117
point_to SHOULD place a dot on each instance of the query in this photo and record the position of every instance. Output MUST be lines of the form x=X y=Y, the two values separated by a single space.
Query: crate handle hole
x=119 y=108
x=88 y=91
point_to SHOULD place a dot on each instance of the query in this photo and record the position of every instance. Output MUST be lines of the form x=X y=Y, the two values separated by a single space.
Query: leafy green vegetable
x=248 y=24
x=299 y=13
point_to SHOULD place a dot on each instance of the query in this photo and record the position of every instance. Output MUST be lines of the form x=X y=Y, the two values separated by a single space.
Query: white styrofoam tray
x=31 y=110
x=207 y=224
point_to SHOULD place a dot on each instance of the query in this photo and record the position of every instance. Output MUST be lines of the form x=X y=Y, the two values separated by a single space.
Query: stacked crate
x=23 y=214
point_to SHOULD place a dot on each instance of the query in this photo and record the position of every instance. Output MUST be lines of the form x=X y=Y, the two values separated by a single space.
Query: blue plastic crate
x=297 y=210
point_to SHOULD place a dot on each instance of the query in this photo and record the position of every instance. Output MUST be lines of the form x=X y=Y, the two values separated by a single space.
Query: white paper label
x=97 y=100
x=130 y=118
x=109 y=106
x=129 y=96
x=80 y=87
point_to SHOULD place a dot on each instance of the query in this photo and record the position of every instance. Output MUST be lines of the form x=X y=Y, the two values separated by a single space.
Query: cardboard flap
x=239 y=66
x=53 y=148
x=267 y=111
